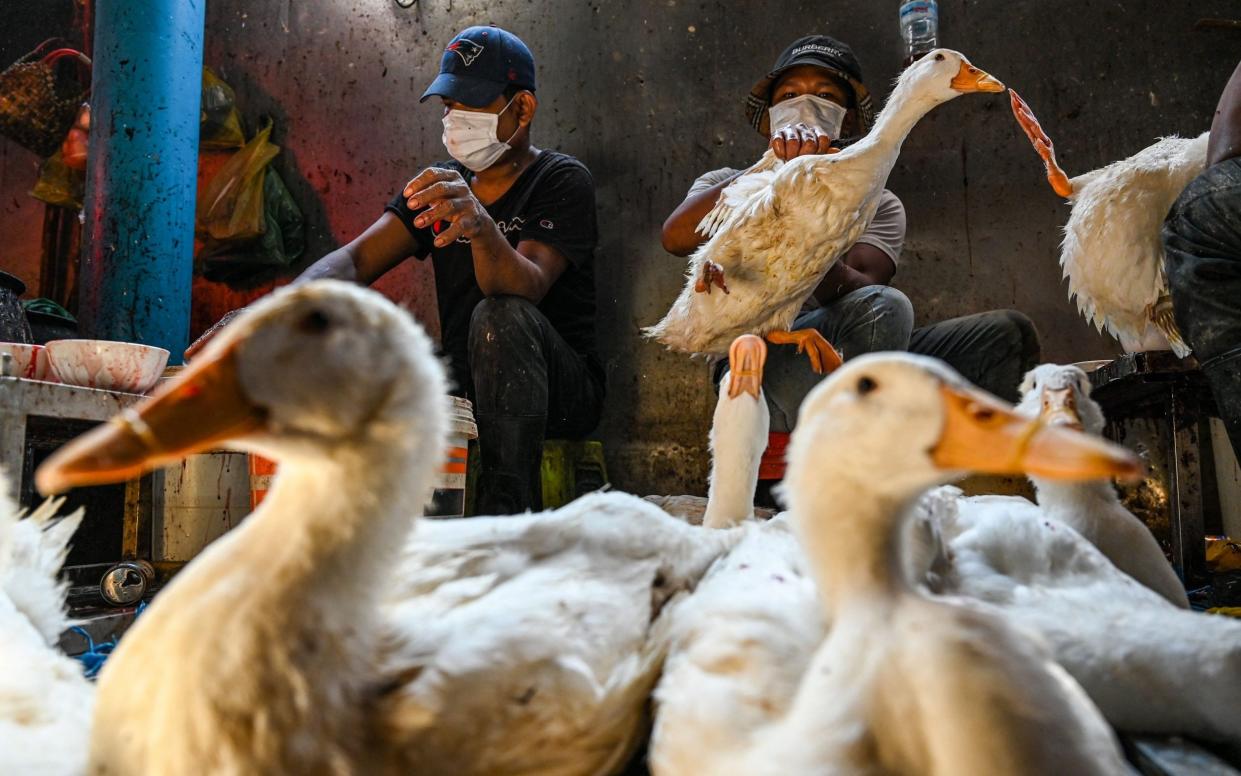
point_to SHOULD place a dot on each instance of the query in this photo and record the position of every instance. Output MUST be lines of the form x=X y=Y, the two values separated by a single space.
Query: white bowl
x=29 y=361
x=112 y=366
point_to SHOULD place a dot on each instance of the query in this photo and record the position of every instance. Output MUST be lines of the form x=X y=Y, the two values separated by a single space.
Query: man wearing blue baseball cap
x=511 y=231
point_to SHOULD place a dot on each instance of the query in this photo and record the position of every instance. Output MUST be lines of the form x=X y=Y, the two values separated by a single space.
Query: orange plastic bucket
x=771 y=465
x=448 y=499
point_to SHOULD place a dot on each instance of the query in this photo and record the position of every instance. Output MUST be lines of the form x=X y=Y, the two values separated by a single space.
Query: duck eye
x=939 y=57
x=865 y=385
x=315 y=322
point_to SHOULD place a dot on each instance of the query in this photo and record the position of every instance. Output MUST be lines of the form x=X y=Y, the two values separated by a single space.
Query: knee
x=1019 y=332
x=501 y=322
x=890 y=316
x=891 y=302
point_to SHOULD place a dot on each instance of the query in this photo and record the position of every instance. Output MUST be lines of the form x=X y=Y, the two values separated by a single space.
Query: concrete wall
x=648 y=94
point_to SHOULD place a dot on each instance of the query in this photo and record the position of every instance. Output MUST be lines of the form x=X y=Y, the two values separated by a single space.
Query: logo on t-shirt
x=546 y=223
x=467 y=49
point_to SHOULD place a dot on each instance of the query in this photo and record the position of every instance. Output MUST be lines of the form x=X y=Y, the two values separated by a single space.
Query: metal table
x=1160 y=407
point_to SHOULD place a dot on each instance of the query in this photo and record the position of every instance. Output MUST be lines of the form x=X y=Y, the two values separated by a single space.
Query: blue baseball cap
x=479 y=64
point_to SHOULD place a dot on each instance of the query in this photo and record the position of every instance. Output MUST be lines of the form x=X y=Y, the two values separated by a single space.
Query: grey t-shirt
x=886 y=231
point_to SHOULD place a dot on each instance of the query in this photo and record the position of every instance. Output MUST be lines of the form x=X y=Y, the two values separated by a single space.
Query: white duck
x=903 y=683
x=1061 y=395
x=1112 y=254
x=738 y=435
x=740 y=641
x=530 y=644
x=303 y=642
x=1150 y=666
x=45 y=701
x=777 y=245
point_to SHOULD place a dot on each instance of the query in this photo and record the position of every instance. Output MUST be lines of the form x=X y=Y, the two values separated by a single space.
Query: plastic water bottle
x=919 y=27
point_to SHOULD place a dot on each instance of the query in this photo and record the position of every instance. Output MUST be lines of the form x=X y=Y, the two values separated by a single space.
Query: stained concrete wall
x=648 y=94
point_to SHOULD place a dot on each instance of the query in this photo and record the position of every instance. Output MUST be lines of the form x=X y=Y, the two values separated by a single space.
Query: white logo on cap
x=817 y=48
x=467 y=49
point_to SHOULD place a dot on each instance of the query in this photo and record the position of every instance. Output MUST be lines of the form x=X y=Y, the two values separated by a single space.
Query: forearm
x=680 y=233
x=1225 y=142
x=500 y=269
x=841 y=279
x=337 y=265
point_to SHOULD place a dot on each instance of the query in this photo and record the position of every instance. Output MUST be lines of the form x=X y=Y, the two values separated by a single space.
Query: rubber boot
x=510 y=461
x=1223 y=373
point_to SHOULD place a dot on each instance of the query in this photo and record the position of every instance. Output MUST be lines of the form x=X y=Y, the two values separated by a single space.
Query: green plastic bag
x=281 y=244
x=231 y=206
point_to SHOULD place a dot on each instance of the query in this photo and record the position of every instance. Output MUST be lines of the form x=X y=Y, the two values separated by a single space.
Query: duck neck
x=1076 y=504
x=738 y=439
x=338 y=524
x=855 y=561
x=905 y=108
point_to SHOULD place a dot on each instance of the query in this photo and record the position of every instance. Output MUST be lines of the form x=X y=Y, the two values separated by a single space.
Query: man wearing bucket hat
x=811 y=101
x=511 y=232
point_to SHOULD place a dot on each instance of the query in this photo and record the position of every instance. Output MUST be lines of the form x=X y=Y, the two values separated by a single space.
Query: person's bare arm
x=1225 y=142
x=680 y=236
x=862 y=265
x=528 y=271
x=368 y=256
x=381 y=247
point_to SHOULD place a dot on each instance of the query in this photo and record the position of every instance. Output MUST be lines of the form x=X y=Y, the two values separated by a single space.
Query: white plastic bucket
x=448 y=499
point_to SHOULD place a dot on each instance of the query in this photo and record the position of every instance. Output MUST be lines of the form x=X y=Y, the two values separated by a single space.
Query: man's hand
x=452 y=210
x=800 y=140
x=197 y=345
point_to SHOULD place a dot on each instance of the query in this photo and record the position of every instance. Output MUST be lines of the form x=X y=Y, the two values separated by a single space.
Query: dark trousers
x=1202 y=243
x=993 y=350
x=528 y=384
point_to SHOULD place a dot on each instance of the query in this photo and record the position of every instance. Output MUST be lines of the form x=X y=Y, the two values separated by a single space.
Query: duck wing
x=1150 y=666
x=774 y=248
x=45 y=701
x=740 y=645
x=1112 y=253
x=754 y=179
x=529 y=644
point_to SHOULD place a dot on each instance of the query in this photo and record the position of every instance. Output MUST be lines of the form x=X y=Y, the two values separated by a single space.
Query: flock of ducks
x=884 y=624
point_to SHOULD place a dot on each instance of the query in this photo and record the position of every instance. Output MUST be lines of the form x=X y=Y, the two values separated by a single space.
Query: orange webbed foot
x=823 y=357
x=712 y=275
x=746 y=358
x=1042 y=144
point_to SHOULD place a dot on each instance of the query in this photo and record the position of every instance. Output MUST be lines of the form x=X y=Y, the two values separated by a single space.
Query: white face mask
x=811 y=110
x=470 y=137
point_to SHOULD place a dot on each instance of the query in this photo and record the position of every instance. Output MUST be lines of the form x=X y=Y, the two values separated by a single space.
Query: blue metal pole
x=137 y=261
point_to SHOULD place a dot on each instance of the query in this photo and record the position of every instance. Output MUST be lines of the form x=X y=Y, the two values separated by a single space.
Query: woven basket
x=37 y=110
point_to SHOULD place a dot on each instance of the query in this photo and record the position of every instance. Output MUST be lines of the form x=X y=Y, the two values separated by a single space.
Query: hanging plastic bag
x=281 y=244
x=60 y=184
x=220 y=122
x=231 y=207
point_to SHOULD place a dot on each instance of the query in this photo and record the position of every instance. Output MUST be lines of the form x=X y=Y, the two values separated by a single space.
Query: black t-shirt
x=553 y=202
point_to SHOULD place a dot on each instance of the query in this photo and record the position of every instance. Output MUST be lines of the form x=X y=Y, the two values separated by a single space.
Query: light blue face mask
x=470 y=137
x=811 y=110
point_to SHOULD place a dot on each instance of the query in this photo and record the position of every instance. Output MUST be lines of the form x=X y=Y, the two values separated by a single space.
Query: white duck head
x=306 y=373
x=940 y=76
x=944 y=74
x=903 y=423
x=884 y=428
x=1060 y=394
